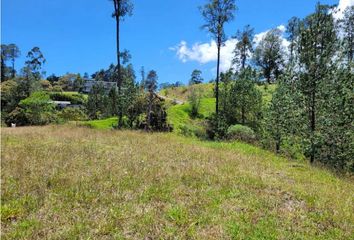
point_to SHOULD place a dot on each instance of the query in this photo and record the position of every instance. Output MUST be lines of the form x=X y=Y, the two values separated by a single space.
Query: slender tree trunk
x=243 y=115
x=13 y=68
x=2 y=70
x=148 y=114
x=217 y=79
x=277 y=146
x=119 y=80
x=313 y=126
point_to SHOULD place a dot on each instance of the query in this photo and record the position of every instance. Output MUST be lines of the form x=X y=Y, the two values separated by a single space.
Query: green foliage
x=269 y=55
x=72 y=114
x=196 y=77
x=34 y=110
x=241 y=101
x=194 y=101
x=96 y=104
x=75 y=98
x=217 y=127
x=244 y=47
x=241 y=133
x=284 y=115
x=104 y=124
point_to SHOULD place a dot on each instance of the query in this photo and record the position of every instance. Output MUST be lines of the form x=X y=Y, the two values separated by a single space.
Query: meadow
x=68 y=182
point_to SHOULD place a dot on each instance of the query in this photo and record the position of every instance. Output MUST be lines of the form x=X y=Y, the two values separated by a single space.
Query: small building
x=61 y=104
x=89 y=83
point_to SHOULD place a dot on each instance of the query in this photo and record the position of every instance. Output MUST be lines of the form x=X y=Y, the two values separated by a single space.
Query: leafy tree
x=4 y=58
x=347 y=24
x=72 y=114
x=216 y=14
x=246 y=98
x=194 y=101
x=13 y=53
x=34 y=110
x=96 y=104
x=46 y=85
x=122 y=8
x=284 y=115
x=244 y=46
x=32 y=70
x=196 y=77
x=35 y=62
x=9 y=97
x=151 y=87
x=335 y=129
x=269 y=55
x=53 y=79
x=142 y=82
x=293 y=32
x=130 y=90
x=78 y=84
x=317 y=48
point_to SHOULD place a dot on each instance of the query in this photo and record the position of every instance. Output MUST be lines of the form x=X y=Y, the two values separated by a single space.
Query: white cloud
x=343 y=4
x=207 y=52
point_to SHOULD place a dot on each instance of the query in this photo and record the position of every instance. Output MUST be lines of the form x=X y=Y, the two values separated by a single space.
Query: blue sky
x=79 y=35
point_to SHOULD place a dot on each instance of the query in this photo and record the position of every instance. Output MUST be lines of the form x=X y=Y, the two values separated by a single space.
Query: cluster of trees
x=141 y=106
x=28 y=99
x=312 y=106
x=68 y=82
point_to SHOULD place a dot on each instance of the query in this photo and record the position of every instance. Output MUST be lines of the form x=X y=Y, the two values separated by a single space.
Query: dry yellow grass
x=61 y=182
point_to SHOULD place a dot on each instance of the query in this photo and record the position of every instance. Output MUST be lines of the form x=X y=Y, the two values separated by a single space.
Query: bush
x=216 y=128
x=193 y=131
x=73 y=98
x=34 y=110
x=241 y=133
x=72 y=114
x=194 y=101
x=57 y=89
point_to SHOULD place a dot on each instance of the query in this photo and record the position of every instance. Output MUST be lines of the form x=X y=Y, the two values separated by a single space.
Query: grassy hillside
x=178 y=115
x=78 y=183
x=207 y=91
x=182 y=93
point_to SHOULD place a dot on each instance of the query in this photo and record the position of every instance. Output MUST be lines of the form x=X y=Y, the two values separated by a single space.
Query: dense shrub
x=216 y=128
x=34 y=110
x=78 y=99
x=241 y=133
x=72 y=114
x=193 y=131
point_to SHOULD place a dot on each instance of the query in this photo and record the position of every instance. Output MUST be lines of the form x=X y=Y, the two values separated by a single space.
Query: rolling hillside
x=62 y=182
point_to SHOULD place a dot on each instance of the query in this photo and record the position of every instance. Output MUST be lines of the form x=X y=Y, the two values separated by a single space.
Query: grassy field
x=65 y=182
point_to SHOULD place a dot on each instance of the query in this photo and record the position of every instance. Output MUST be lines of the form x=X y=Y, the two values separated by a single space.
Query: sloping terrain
x=62 y=182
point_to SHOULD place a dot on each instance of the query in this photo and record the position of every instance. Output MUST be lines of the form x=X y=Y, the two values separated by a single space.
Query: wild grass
x=108 y=123
x=179 y=115
x=64 y=182
x=182 y=93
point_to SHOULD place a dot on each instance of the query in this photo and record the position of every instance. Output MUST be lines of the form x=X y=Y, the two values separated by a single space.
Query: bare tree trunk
x=148 y=114
x=217 y=79
x=313 y=127
x=119 y=80
x=243 y=115
x=13 y=68
x=2 y=70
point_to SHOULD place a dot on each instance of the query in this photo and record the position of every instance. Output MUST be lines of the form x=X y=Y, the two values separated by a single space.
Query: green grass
x=179 y=115
x=108 y=123
x=182 y=93
x=65 y=182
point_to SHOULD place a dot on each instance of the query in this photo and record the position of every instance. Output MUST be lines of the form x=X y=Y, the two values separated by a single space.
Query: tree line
x=312 y=106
